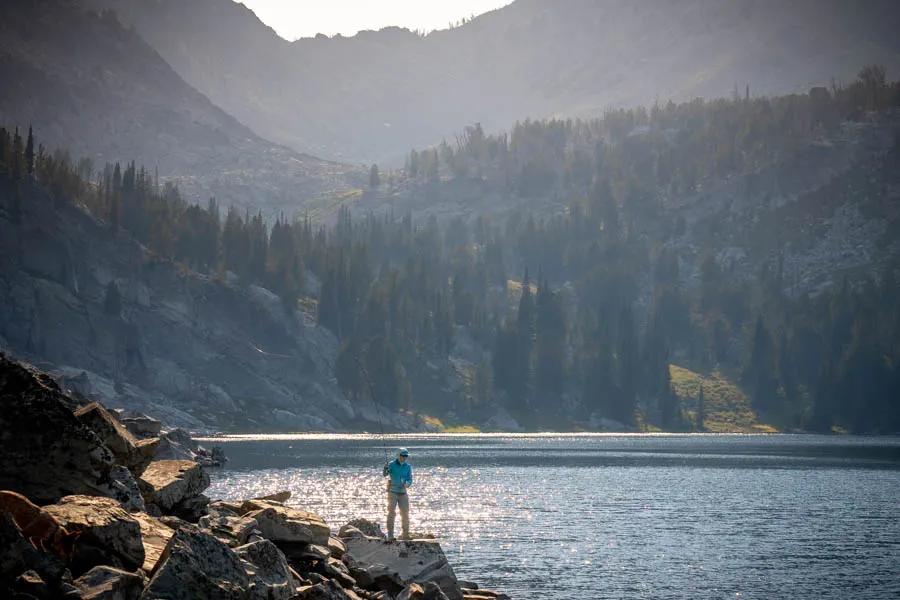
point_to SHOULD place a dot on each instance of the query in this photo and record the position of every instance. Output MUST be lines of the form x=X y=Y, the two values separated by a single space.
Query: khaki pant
x=394 y=500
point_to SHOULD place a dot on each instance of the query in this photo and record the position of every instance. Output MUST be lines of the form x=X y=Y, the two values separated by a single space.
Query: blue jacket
x=399 y=475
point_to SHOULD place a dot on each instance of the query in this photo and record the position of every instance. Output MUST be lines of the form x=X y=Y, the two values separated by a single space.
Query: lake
x=559 y=516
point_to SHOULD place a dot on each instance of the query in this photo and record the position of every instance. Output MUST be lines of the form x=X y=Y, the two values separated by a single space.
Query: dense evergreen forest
x=564 y=316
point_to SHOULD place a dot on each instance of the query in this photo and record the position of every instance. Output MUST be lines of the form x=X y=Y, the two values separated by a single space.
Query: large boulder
x=286 y=524
x=270 y=575
x=228 y=529
x=107 y=583
x=109 y=535
x=155 y=536
x=142 y=426
x=413 y=561
x=167 y=483
x=366 y=526
x=117 y=438
x=192 y=509
x=125 y=488
x=224 y=507
x=177 y=444
x=18 y=555
x=197 y=566
x=336 y=547
x=45 y=451
x=29 y=585
x=145 y=451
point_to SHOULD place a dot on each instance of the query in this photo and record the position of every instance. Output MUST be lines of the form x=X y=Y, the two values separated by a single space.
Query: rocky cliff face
x=193 y=350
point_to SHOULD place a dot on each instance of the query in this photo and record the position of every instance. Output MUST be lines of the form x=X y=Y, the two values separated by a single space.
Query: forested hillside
x=753 y=241
x=371 y=96
x=93 y=87
x=91 y=294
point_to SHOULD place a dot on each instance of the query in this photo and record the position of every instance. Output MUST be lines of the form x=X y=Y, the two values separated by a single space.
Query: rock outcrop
x=117 y=438
x=413 y=561
x=229 y=529
x=45 y=451
x=175 y=486
x=177 y=444
x=197 y=566
x=109 y=535
x=18 y=556
x=107 y=583
x=141 y=426
x=155 y=536
x=182 y=547
x=267 y=567
x=281 y=523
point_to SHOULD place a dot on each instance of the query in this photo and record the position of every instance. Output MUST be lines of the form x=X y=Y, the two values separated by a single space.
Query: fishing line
x=365 y=374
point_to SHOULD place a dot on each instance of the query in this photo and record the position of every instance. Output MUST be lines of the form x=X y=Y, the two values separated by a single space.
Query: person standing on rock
x=399 y=473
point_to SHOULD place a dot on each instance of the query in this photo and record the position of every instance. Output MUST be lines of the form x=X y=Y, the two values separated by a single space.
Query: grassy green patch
x=444 y=428
x=461 y=429
x=727 y=407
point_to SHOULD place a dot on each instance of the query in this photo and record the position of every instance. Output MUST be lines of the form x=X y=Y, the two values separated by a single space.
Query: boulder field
x=127 y=519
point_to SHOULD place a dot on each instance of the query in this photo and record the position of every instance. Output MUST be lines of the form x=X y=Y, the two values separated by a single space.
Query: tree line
x=570 y=315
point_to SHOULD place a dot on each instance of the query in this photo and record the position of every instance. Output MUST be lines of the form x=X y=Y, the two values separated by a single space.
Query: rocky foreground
x=142 y=527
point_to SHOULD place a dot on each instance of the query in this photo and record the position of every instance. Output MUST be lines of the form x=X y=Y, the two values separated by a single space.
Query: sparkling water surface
x=561 y=516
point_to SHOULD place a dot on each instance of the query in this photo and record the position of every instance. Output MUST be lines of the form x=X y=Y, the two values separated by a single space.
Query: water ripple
x=565 y=516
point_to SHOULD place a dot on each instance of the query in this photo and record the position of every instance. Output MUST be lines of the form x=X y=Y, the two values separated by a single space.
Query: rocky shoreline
x=108 y=506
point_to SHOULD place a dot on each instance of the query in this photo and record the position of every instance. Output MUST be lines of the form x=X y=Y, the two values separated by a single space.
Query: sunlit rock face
x=197 y=565
x=167 y=483
x=413 y=561
x=109 y=534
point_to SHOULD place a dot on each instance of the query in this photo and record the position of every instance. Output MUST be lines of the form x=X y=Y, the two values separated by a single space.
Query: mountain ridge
x=373 y=96
x=97 y=89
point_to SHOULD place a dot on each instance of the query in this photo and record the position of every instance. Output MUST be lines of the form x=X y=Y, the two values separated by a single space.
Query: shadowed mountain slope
x=375 y=95
x=100 y=91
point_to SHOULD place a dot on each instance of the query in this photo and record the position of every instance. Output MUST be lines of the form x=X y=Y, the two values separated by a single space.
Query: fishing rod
x=365 y=374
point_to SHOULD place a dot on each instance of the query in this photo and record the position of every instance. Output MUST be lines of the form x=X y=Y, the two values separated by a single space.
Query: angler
x=400 y=479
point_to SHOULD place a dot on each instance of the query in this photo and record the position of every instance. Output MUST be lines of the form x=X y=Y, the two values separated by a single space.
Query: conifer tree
x=525 y=329
x=628 y=368
x=701 y=410
x=550 y=330
x=760 y=372
x=29 y=153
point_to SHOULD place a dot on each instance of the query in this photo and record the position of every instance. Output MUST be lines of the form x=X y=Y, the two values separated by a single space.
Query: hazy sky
x=293 y=19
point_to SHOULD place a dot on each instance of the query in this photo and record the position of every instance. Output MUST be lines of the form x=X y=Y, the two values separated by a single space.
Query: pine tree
x=786 y=366
x=29 y=153
x=760 y=372
x=550 y=330
x=525 y=328
x=115 y=198
x=17 y=156
x=822 y=417
x=504 y=359
x=628 y=368
x=669 y=409
x=701 y=410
